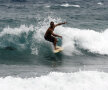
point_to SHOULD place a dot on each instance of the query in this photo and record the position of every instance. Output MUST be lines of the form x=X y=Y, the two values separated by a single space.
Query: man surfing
x=50 y=35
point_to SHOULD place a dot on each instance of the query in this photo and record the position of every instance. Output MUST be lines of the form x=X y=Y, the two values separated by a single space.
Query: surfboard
x=59 y=49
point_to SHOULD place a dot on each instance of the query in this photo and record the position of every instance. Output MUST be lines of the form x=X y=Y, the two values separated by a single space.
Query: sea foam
x=69 y=5
x=82 y=80
x=75 y=39
x=100 y=3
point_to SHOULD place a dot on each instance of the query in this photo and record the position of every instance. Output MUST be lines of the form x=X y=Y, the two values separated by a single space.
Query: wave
x=75 y=41
x=63 y=5
x=25 y=38
x=68 y=5
x=16 y=38
x=83 y=80
x=100 y=3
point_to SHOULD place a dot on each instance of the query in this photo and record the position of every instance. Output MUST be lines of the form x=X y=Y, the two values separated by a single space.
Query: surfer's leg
x=53 y=40
x=54 y=43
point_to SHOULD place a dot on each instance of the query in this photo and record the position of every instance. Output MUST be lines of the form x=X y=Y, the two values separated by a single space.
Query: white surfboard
x=59 y=49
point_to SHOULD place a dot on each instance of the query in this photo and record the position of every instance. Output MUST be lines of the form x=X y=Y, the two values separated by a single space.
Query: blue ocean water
x=27 y=61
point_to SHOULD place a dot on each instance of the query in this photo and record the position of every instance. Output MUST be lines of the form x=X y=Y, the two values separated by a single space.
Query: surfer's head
x=51 y=23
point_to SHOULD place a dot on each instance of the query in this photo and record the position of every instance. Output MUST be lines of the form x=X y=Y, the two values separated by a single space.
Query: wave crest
x=75 y=39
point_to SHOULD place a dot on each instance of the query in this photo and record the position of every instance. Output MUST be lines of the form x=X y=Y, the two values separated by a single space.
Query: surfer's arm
x=60 y=24
x=56 y=35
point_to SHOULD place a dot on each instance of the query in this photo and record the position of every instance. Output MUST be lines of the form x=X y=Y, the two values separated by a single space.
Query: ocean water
x=27 y=61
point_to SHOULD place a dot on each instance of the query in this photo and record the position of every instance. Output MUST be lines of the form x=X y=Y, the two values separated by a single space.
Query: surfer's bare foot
x=56 y=48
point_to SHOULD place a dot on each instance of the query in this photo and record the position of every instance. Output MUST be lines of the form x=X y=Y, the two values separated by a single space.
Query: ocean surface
x=27 y=61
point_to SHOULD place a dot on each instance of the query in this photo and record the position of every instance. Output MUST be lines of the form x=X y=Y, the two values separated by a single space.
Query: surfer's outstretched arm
x=60 y=24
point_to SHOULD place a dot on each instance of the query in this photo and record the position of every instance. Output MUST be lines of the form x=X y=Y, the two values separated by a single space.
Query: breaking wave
x=75 y=41
x=83 y=80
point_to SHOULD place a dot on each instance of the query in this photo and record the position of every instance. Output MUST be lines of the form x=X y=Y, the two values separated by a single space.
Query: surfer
x=50 y=35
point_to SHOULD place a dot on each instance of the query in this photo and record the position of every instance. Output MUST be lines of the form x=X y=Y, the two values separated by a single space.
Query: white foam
x=73 y=38
x=48 y=6
x=83 y=80
x=16 y=31
x=68 y=5
x=100 y=3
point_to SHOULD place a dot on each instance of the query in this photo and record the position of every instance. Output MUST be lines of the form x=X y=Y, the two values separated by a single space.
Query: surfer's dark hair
x=51 y=23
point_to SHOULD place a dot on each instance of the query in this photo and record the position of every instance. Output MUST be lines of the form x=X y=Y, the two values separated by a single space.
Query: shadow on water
x=11 y=56
x=54 y=60
x=9 y=48
x=47 y=57
x=50 y=59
